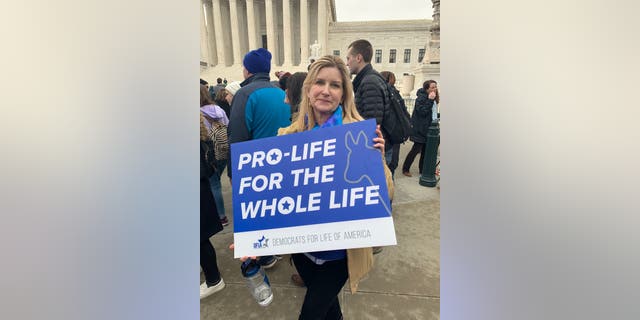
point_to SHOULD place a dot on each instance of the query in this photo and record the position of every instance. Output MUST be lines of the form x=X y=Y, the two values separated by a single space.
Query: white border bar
x=317 y=237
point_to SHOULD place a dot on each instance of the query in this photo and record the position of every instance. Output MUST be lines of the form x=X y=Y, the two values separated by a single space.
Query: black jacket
x=209 y=220
x=421 y=117
x=225 y=107
x=371 y=94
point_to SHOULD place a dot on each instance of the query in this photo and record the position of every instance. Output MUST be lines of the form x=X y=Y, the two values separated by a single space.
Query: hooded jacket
x=421 y=117
x=212 y=112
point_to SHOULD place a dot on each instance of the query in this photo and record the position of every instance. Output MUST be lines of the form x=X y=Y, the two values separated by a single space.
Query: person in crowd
x=219 y=85
x=221 y=100
x=212 y=93
x=212 y=113
x=257 y=109
x=293 y=92
x=276 y=83
x=282 y=80
x=390 y=78
x=209 y=222
x=327 y=101
x=421 y=119
x=232 y=89
x=204 y=83
x=370 y=90
x=210 y=110
x=293 y=95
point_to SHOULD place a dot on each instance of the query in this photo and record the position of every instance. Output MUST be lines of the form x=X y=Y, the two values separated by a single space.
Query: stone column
x=204 y=35
x=432 y=56
x=251 y=26
x=211 y=40
x=429 y=68
x=217 y=21
x=271 y=32
x=304 y=32
x=235 y=31
x=286 y=32
x=322 y=26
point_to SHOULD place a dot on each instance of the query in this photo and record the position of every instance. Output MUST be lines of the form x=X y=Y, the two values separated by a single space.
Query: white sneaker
x=207 y=291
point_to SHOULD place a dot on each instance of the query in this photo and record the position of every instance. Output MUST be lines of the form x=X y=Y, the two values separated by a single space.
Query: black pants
x=209 y=263
x=323 y=282
x=408 y=161
x=395 y=157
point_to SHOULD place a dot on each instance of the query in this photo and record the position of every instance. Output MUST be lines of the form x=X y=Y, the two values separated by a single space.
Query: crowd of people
x=325 y=96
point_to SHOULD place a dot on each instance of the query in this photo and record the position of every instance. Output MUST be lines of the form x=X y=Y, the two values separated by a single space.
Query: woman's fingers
x=379 y=132
x=243 y=259
x=378 y=142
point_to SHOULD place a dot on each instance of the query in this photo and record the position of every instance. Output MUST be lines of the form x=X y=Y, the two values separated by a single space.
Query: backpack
x=218 y=135
x=396 y=122
x=206 y=151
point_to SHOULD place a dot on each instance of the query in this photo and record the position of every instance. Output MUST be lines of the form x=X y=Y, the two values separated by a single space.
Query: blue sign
x=314 y=177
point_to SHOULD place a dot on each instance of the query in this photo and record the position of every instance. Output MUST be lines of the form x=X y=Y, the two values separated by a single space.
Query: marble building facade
x=288 y=28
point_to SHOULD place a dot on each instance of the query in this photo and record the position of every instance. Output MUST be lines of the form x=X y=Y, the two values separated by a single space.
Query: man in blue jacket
x=258 y=109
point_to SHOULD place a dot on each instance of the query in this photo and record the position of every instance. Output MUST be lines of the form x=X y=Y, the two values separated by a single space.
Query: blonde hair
x=306 y=119
x=220 y=95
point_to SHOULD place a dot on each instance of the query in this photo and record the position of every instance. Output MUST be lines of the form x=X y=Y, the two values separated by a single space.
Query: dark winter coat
x=257 y=111
x=421 y=117
x=225 y=106
x=371 y=93
x=209 y=220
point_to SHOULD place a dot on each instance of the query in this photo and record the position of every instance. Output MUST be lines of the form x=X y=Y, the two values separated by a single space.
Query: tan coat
x=359 y=260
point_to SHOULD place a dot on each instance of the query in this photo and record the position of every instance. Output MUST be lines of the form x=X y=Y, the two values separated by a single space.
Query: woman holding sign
x=327 y=100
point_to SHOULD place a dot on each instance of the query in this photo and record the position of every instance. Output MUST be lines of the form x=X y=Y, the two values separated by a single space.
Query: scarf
x=334 y=120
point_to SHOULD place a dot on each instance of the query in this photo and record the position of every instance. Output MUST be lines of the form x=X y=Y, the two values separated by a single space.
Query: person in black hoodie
x=390 y=78
x=420 y=121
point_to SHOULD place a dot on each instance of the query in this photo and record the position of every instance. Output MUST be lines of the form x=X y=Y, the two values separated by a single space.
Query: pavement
x=403 y=284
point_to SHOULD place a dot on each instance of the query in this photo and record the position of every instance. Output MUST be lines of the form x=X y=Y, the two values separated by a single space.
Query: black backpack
x=208 y=155
x=396 y=122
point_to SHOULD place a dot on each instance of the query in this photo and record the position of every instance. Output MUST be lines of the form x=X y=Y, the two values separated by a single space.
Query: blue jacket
x=257 y=110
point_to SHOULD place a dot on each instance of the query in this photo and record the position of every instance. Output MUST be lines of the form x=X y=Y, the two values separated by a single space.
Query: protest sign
x=311 y=191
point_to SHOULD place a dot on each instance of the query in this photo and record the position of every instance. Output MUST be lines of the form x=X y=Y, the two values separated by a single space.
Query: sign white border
x=317 y=237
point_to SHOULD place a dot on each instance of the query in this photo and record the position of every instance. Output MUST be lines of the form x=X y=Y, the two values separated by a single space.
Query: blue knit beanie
x=257 y=61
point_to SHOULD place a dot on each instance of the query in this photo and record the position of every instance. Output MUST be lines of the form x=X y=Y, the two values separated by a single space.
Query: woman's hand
x=379 y=141
x=243 y=259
